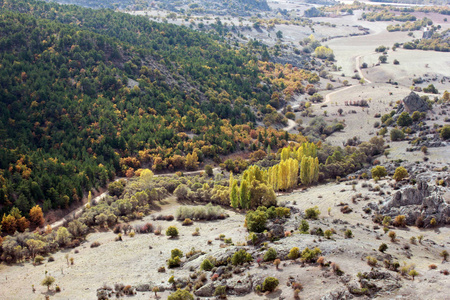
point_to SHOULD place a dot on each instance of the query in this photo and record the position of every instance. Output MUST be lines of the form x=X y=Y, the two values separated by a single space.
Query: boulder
x=412 y=103
x=340 y=294
x=276 y=231
x=206 y=291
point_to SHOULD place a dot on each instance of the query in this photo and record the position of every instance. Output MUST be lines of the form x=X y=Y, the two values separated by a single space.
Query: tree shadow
x=275 y=294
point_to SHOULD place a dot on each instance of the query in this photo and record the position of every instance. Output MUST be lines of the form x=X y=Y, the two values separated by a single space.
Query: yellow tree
x=192 y=161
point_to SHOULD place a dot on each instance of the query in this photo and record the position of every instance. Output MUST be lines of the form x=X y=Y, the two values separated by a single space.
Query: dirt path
x=358 y=68
x=290 y=126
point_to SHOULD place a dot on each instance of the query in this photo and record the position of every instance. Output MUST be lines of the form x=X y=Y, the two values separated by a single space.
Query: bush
x=187 y=222
x=304 y=227
x=378 y=172
x=95 y=244
x=221 y=292
x=270 y=254
x=383 y=247
x=144 y=228
x=397 y=135
x=209 y=170
x=445 y=132
x=206 y=265
x=172 y=231
x=392 y=235
x=294 y=253
x=310 y=255
x=38 y=259
x=240 y=257
x=270 y=284
x=176 y=252
x=256 y=221
x=174 y=262
x=312 y=213
x=206 y=212
x=371 y=261
x=404 y=119
x=328 y=233
x=400 y=174
x=348 y=234
x=181 y=295
x=400 y=221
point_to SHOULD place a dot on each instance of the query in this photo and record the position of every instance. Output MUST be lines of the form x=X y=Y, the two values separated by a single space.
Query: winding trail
x=358 y=68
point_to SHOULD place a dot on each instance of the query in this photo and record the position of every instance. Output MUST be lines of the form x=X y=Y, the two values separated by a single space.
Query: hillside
x=90 y=94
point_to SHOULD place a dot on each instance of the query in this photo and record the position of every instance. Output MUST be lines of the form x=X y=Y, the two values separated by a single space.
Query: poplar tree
x=244 y=195
x=234 y=195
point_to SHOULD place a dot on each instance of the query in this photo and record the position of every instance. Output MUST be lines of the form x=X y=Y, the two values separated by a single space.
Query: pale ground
x=132 y=262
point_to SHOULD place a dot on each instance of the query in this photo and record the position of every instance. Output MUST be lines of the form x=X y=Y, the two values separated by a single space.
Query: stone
x=206 y=291
x=423 y=200
x=412 y=103
x=340 y=294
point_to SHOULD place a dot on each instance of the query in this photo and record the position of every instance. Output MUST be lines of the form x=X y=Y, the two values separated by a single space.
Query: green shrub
x=445 y=132
x=206 y=265
x=383 y=247
x=256 y=221
x=221 y=291
x=397 y=135
x=270 y=254
x=304 y=227
x=404 y=119
x=294 y=253
x=181 y=295
x=400 y=174
x=38 y=259
x=378 y=171
x=174 y=262
x=270 y=284
x=310 y=255
x=172 y=231
x=312 y=213
x=348 y=234
x=241 y=257
x=176 y=252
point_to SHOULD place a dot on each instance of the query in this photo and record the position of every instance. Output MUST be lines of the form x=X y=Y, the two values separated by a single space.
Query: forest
x=88 y=95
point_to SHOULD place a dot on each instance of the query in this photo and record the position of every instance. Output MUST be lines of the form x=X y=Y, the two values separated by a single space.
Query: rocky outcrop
x=412 y=103
x=421 y=201
x=340 y=294
x=206 y=291
x=240 y=287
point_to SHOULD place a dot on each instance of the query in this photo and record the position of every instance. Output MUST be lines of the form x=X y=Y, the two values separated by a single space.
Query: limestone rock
x=424 y=200
x=412 y=103
x=206 y=291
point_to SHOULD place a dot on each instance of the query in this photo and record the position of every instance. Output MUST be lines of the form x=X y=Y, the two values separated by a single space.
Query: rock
x=206 y=291
x=220 y=270
x=260 y=238
x=423 y=200
x=240 y=287
x=412 y=103
x=276 y=230
x=340 y=294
